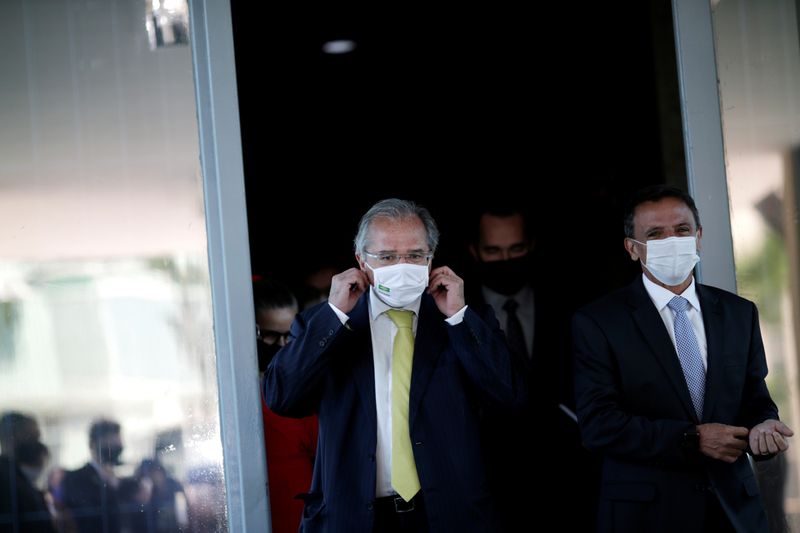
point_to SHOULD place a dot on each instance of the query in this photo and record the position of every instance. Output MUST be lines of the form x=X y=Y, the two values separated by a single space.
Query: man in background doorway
x=541 y=441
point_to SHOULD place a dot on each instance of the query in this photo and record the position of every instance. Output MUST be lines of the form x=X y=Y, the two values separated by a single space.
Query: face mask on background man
x=506 y=276
x=671 y=260
x=399 y=285
x=109 y=454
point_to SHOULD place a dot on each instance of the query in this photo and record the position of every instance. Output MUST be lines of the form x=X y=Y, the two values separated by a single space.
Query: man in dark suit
x=22 y=504
x=535 y=320
x=398 y=446
x=90 y=493
x=669 y=379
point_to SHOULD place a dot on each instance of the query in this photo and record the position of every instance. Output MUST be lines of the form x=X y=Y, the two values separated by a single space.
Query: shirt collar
x=661 y=296
x=524 y=297
x=377 y=306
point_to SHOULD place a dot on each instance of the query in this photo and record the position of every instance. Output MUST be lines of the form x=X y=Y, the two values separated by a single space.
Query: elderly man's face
x=400 y=236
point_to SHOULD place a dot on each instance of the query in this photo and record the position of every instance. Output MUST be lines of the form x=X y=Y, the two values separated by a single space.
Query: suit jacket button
x=322 y=343
x=330 y=332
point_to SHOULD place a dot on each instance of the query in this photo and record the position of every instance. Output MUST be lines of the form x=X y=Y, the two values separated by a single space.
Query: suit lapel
x=364 y=368
x=712 y=321
x=428 y=345
x=655 y=334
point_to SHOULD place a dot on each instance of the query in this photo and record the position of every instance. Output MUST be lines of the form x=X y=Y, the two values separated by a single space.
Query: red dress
x=291 y=447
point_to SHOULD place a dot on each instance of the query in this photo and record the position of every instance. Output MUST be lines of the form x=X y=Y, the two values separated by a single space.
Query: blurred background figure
x=291 y=443
x=206 y=499
x=166 y=504
x=90 y=493
x=534 y=314
x=23 y=457
x=133 y=496
x=316 y=286
x=275 y=309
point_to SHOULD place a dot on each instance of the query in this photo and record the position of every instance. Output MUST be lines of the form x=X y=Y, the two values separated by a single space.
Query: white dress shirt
x=661 y=297
x=383 y=332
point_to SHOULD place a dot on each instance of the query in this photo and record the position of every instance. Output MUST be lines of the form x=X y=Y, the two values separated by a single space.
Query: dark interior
x=559 y=107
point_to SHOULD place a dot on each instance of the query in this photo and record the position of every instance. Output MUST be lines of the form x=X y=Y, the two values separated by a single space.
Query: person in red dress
x=291 y=443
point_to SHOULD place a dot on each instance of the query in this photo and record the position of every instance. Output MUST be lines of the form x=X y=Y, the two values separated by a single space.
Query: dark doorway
x=565 y=101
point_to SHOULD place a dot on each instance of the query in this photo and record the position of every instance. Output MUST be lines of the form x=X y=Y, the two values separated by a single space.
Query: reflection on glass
x=759 y=70
x=167 y=22
x=108 y=399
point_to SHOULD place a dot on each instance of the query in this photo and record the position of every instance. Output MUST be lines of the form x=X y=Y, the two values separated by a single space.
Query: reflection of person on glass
x=669 y=379
x=90 y=493
x=396 y=365
x=22 y=460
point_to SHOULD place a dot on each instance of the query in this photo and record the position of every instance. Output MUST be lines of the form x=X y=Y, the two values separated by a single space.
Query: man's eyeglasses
x=270 y=336
x=389 y=258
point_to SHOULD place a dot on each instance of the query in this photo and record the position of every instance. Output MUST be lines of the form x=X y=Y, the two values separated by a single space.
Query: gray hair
x=396 y=209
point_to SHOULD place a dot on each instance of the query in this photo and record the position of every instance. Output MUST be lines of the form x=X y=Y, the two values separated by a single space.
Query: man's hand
x=346 y=288
x=722 y=442
x=447 y=290
x=769 y=437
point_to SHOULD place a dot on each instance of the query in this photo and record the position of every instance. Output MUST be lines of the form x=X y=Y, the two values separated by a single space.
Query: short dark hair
x=102 y=428
x=271 y=294
x=10 y=424
x=654 y=193
x=499 y=209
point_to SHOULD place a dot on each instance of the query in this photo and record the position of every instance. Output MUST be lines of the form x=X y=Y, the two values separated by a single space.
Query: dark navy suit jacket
x=634 y=406
x=328 y=369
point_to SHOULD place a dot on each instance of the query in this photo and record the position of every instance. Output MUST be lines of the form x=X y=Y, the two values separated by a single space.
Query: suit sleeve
x=484 y=355
x=293 y=380
x=605 y=424
x=757 y=405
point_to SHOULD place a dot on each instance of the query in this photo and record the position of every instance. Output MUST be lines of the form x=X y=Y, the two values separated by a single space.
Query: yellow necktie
x=404 y=470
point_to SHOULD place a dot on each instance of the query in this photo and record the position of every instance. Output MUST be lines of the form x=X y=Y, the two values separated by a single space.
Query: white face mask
x=399 y=285
x=671 y=260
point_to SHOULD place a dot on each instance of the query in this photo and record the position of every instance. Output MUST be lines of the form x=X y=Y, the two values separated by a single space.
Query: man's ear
x=360 y=262
x=630 y=247
x=699 y=234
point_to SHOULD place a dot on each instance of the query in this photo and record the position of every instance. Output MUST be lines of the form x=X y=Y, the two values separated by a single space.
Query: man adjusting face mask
x=399 y=285
x=671 y=260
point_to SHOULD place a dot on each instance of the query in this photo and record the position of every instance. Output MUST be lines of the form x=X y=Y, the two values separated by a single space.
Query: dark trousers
x=394 y=515
x=716 y=521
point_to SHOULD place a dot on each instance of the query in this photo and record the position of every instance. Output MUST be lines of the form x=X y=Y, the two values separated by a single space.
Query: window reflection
x=108 y=395
x=759 y=72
